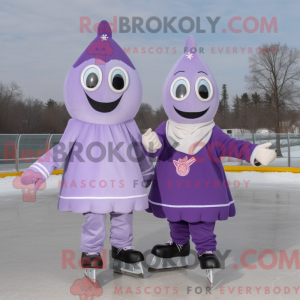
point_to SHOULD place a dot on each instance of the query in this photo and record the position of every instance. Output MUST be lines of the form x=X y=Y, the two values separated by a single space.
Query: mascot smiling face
x=190 y=94
x=103 y=86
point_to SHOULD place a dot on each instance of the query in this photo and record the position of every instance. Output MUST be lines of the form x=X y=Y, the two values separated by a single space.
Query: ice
x=34 y=235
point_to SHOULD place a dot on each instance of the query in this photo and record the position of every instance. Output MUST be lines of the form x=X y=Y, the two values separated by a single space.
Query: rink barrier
x=260 y=169
x=236 y=169
x=2 y=175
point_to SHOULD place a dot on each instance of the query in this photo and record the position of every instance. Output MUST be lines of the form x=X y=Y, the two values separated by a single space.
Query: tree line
x=27 y=115
x=272 y=101
x=251 y=112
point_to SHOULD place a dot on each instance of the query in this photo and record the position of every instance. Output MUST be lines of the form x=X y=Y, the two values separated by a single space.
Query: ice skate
x=209 y=261
x=128 y=261
x=169 y=256
x=91 y=262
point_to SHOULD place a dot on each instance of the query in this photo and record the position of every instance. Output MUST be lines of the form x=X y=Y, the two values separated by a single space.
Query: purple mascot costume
x=189 y=186
x=105 y=167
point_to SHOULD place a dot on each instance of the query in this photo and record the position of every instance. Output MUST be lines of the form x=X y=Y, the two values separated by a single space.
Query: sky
x=41 y=40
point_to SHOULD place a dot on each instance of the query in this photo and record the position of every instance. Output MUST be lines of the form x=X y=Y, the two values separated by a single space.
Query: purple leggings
x=94 y=232
x=202 y=234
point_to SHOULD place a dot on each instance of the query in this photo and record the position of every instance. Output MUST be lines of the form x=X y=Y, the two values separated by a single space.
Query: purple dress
x=196 y=189
x=105 y=165
x=192 y=191
x=101 y=174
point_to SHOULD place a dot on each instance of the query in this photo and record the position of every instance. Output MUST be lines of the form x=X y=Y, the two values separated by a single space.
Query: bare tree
x=29 y=115
x=144 y=117
x=256 y=118
x=291 y=121
x=276 y=72
x=159 y=116
x=147 y=117
x=9 y=95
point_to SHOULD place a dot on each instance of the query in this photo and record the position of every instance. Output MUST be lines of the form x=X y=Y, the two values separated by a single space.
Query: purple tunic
x=101 y=173
x=198 y=192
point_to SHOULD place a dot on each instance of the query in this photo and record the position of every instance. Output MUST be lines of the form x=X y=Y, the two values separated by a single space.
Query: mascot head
x=103 y=86
x=190 y=94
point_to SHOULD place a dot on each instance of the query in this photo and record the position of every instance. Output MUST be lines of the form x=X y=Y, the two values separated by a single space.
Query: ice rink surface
x=34 y=236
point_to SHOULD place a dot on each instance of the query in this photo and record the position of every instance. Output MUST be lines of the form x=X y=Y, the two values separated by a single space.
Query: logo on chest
x=183 y=165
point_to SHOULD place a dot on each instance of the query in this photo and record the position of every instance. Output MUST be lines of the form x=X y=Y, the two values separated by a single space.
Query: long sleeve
x=54 y=158
x=230 y=147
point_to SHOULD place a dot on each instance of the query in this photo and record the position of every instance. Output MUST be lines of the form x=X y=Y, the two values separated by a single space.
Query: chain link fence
x=19 y=151
x=287 y=146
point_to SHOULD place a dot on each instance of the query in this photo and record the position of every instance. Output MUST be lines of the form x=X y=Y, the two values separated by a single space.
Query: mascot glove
x=151 y=141
x=29 y=177
x=264 y=155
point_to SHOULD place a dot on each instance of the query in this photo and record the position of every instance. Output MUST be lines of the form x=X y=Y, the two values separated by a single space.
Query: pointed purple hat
x=194 y=68
x=190 y=45
x=103 y=48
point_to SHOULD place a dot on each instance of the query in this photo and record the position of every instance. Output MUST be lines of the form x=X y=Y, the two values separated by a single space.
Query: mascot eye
x=180 y=88
x=91 y=78
x=118 y=79
x=204 y=89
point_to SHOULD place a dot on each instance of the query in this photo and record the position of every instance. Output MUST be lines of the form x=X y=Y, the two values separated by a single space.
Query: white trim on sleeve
x=147 y=170
x=41 y=172
x=252 y=158
x=43 y=168
x=144 y=174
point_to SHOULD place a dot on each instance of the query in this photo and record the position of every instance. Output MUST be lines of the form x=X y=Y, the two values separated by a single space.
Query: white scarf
x=185 y=137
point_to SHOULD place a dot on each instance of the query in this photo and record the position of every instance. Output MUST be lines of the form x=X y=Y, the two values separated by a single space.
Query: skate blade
x=159 y=264
x=91 y=274
x=133 y=270
x=210 y=277
x=152 y=270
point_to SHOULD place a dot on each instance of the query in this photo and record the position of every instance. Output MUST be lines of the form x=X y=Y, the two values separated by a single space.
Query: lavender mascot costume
x=190 y=187
x=104 y=170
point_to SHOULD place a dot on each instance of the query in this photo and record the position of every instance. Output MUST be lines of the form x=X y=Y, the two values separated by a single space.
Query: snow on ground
x=7 y=188
x=278 y=178
x=241 y=179
x=34 y=237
